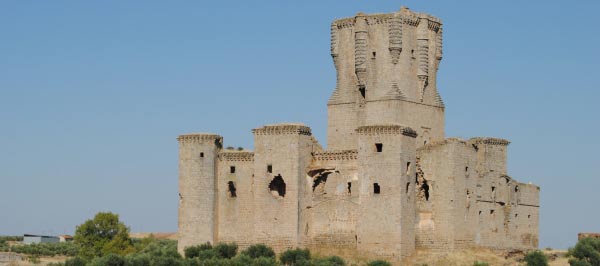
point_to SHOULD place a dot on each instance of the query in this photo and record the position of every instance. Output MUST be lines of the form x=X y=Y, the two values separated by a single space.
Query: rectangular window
x=202 y=155
x=232 y=169
x=376 y=188
x=379 y=147
x=269 y=168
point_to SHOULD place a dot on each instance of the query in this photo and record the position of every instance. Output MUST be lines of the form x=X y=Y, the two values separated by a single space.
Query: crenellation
x=386 y=129
x=389 y=181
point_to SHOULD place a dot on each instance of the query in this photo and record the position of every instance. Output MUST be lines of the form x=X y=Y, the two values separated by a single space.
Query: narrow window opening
x=277 y=186
x=424 y=142
x=379 y=147
x=349 y=187
x=269 y=168
x=466 y=171
x=493 y=189
x=202 y=155
x=376 y=188
x=516 y=188
x=528 y=216
x=516 y=215
x=374 y=54
x=362 y=91
x=407 y=187
x=479 y=212
x=491 y=211
x=232 y=169
x=425 y=190
x=231 y=189
x=408 y=168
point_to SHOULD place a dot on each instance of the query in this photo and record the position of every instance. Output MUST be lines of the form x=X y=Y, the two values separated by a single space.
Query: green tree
x=226 y=251
x=585 y=253
x=379 y=263
x=102 y=235
x=329 y=261
x=536 y=258
x=292 y=256
x=259 y=250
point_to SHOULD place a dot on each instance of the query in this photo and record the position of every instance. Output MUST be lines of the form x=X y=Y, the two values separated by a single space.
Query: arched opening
x=231 y=189
x=277 y=186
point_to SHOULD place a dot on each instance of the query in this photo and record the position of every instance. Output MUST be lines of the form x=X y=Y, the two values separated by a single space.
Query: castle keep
x=389 y=181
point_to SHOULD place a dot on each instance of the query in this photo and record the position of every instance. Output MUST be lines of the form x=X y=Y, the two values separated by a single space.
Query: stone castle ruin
x=389 y=181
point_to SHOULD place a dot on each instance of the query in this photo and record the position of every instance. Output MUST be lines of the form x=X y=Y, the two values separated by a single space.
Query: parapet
x=435 y=144
x=390 y=129
x=283 y=129
x=342 y=155
x=236 y=156
x=200 y=137
x=489 y=141
x=406 y=16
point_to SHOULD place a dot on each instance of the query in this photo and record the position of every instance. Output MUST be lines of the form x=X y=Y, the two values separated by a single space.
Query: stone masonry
x=389 y=181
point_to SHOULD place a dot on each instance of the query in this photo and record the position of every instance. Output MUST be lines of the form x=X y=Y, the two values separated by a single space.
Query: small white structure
x=30 y=239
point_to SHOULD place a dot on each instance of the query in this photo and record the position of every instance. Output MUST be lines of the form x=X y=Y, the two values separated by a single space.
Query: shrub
x=226 y=251
x=379 y=263
x=291 y=256
x=75 y=261
x=108 y=260
x=259 y=250
x=536 y=258
x=208 y=254
x=480 y=263
x=241 y=260
x=329 y=261
x=194 y=251
x=264 y=261
x=191 y=252
x=585 y=253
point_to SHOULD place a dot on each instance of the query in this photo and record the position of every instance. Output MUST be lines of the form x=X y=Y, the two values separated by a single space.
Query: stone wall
x=197 y=191
x=235 y=198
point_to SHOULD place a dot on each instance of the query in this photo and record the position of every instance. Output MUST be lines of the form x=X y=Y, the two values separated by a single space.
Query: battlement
x=489 y=141
x=236 y=156
x=343 y=155
x=199 y=138
x=439 y=143
x=405 y=16
x=283 y=129
x=386 y=130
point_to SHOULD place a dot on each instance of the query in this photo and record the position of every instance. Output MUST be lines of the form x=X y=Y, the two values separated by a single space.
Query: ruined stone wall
x=197 y=175
x=235 y=198
x=386 y=159
x=333 y=201
x=281 y=157
x=444 y=196
x=386 y=73
x=471 y=201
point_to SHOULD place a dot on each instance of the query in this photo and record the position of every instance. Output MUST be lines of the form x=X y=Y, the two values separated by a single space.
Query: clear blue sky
x=93 y=94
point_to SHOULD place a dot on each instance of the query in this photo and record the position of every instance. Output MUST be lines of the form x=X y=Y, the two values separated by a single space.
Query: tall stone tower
x=386 y=74
x=197 y=194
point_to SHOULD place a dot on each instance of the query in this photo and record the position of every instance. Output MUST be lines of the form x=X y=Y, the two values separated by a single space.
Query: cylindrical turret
x=197 y=178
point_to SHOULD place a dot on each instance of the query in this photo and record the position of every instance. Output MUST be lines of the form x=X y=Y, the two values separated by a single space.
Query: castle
x=389 y=181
